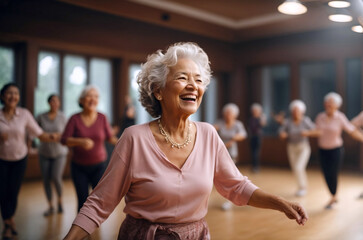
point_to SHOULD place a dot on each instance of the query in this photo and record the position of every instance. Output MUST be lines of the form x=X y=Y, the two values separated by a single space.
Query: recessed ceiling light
x=339 y=4
x=357 y=29
x=340 y=18
x=292 y=7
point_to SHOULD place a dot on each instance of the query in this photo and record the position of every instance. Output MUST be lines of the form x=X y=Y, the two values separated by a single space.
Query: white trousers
x=299 y=154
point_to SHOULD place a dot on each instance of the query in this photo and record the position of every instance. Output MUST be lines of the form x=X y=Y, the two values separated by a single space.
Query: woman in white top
x=296 y=129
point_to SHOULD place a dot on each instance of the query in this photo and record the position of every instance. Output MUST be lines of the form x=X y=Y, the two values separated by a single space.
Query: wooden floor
x=345 y=222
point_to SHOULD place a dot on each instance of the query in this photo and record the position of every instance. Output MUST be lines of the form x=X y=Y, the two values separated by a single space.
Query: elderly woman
x=16 y=123
x=166 y=168
x=53 y=155
x=330 y=125
x=255 y=125
x=231 y=131
x=86 y=133
x=296 y=129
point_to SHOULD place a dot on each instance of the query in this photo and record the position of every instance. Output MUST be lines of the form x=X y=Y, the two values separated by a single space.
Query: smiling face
x=11 y=97
x=330 y=106
x=297 y=113
x=184 y=89
x=54 y=103
x=90 y=101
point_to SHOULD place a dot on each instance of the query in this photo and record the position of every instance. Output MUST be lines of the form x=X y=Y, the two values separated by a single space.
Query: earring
x=158 y=97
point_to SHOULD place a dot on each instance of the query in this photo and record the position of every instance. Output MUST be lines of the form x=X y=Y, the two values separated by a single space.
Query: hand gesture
x=87 y=143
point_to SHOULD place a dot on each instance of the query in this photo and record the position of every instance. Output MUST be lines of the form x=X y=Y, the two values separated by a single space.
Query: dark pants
x=331 y=161
x=11 y=176
x=255 y=143
x=83 y=176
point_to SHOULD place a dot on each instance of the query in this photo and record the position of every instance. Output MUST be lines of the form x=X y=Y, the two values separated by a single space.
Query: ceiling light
x=340 y=17
x=357 y=29
x=339 y=4
x=292 y=7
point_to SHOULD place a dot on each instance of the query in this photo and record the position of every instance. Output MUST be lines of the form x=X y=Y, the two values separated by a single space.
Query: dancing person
x=86 y=133
x=231 y=131
x=296 y=129
x=166 y=168
x=16 y=124
x=330 y=125
x=255 y=130
x=52 y=155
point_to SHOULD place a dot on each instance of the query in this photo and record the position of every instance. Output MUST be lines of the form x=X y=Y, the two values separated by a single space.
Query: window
x=316 y=80
x=77 y=72
x=141 y=115
x=101 y=76
x=7 y=66
x=75 y=79
x=48 y=80
x=353 y=87
x=210 y=102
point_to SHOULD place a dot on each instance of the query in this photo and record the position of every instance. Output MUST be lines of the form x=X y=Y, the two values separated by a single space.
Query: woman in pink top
x=15 y=124
x=166 y=168
x=330 y=125
x=86 y=133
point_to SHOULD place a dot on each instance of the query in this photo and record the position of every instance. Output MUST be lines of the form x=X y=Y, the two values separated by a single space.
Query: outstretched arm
x=262 y=199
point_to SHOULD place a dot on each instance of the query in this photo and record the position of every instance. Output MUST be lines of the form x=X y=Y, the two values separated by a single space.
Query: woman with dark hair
x=52 y=155
x=16 y=123
x=86 y=133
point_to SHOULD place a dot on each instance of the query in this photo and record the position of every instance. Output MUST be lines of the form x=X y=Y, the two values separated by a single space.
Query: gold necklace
x=171 y=141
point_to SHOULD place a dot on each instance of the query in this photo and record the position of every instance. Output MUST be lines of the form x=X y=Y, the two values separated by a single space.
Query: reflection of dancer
x=166 y=168
x=358 y=122
x=86 y=133
x=53 y=156
x=231 y=131
x=296 y=129
x=330 y=124
x=255 y=126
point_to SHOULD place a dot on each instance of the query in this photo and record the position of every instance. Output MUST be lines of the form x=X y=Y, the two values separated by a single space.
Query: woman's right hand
x=87 y=143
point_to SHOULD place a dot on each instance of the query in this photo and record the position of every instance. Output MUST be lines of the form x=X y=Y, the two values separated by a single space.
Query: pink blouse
x=157 y=190
x=331 y=129
x=23 y=123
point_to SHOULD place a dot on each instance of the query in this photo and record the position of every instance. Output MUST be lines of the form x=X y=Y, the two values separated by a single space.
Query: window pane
x=275 y=93
x=210 y=101
x=354 y=87
x=101 y=76
x=316 y=80
x=141 y=115
x=75 y=79
x=6 y=66
x=48 y=80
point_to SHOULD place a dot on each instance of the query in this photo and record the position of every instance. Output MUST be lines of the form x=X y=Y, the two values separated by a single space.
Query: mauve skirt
x=141 y=229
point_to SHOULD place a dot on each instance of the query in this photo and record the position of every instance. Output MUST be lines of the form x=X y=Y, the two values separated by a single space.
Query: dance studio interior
x=259 y=51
